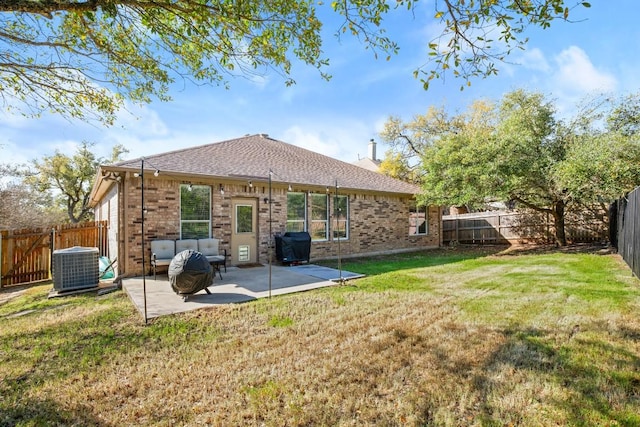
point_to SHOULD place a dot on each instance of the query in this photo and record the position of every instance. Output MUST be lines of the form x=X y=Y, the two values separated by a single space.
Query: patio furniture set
x=163 y=251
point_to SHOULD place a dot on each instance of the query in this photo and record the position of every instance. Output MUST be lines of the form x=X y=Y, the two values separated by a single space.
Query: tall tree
x=603 y=163
x=530 y=146
x=444 y=139
x=83 y=58
x=70 y=178
x=517 y=150
x=20 y=206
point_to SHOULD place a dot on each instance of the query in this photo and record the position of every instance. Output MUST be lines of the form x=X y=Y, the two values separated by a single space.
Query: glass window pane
x=418 y=221
x=195 y=211
x=195 y=203
x=340 y=221
x=318 y=230
x=318 y=207
x=341 y=207
x=296 y=212
x=194 y=230
x=295 y=226
x=244 y=219
x=340 y=230
x=295 y=206
x=319 y=217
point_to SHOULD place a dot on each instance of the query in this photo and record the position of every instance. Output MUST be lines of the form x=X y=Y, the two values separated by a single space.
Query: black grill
x=293 y=247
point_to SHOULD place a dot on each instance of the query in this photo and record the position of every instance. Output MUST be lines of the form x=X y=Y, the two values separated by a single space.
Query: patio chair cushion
x=186 y=244
x=210 y=248
x=162 y=251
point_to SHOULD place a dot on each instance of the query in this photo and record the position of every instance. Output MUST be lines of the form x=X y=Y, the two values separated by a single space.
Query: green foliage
x=603 y=168
x=528 y=149
x=138 y=48
x=84 y=59
x=410 y=139
x=519 y=151
x=396 y=166
x=278 y=321
x=69 y=179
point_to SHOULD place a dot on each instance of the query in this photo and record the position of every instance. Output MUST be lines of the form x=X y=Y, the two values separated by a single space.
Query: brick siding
x=378 y=223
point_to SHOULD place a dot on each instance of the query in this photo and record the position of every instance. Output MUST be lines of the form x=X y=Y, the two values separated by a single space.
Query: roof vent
x=264 y=135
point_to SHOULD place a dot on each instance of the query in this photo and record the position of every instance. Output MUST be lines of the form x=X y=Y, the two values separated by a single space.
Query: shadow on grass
x=47 y=413
x=381 y=264
x=539 y=249
x=596 y=382
x=52 y=353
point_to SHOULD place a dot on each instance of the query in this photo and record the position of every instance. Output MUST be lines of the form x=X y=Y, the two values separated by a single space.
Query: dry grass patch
x=446 y=338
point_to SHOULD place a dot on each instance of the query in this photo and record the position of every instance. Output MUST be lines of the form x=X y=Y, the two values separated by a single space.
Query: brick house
x=244 y=190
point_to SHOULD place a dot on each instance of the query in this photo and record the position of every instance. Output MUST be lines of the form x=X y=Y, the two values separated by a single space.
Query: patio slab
x=237 y=285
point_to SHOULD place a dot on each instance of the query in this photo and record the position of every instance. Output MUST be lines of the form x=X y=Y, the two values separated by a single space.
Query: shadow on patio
x=237 y=285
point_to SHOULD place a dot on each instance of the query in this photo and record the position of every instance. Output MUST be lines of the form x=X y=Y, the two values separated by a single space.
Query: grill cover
x=190 y=272
x=293 y=246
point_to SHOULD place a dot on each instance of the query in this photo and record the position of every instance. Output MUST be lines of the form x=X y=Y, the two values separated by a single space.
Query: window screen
x=296 y=211
x=195 y=211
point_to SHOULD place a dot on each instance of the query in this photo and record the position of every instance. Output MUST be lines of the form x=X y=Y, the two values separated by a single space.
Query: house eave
x=107 y=173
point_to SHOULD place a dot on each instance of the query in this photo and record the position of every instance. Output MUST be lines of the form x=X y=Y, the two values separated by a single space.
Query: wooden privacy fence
x=628 y=229
x=25 y=255
x=502 y=227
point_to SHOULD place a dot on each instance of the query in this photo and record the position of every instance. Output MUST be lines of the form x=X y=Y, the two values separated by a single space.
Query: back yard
x=446 y=337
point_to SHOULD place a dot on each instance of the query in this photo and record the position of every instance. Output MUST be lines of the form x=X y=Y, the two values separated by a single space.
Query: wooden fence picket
x=502 y=227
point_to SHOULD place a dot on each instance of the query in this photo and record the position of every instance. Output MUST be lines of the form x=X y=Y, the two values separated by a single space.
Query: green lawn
x=443 y=337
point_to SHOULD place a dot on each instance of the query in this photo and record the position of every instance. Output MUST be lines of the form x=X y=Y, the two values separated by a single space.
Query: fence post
x=52 y=248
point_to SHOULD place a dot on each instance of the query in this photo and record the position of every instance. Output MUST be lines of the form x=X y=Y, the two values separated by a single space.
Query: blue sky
x=598 y=53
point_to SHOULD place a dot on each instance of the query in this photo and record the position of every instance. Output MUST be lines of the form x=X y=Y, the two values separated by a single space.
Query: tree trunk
x=558 y=221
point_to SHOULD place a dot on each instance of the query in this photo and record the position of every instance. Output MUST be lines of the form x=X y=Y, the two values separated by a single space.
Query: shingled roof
x=256 y=155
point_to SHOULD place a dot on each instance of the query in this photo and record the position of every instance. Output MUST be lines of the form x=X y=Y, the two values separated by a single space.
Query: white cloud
x=140 y=119
x=534 y=59
x=577 y=74
x=11 y=153
x=332 y=137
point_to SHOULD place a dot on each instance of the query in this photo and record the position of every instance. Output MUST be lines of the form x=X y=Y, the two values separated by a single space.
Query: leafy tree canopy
x=518 y=150
x=83 y=58
x=397 y=166
x=21 y=206
x=69 y=178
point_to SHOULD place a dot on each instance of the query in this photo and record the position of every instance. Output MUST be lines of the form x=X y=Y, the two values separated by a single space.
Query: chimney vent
x=372 y=150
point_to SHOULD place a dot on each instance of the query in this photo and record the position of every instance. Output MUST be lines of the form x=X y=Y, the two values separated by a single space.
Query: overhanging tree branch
x=135 y=49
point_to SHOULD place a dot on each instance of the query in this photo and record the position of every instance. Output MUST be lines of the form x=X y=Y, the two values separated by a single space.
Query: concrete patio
x=237 y=285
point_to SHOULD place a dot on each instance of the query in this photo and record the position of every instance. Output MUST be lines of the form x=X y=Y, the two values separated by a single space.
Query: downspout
x=124 y=236
x=122 y=268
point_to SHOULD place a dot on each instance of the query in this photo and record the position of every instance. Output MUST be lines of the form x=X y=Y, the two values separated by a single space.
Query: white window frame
x=313 y=221
x=208 y=222
x=415 y=216
x=297 y=221
x=334 y=221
